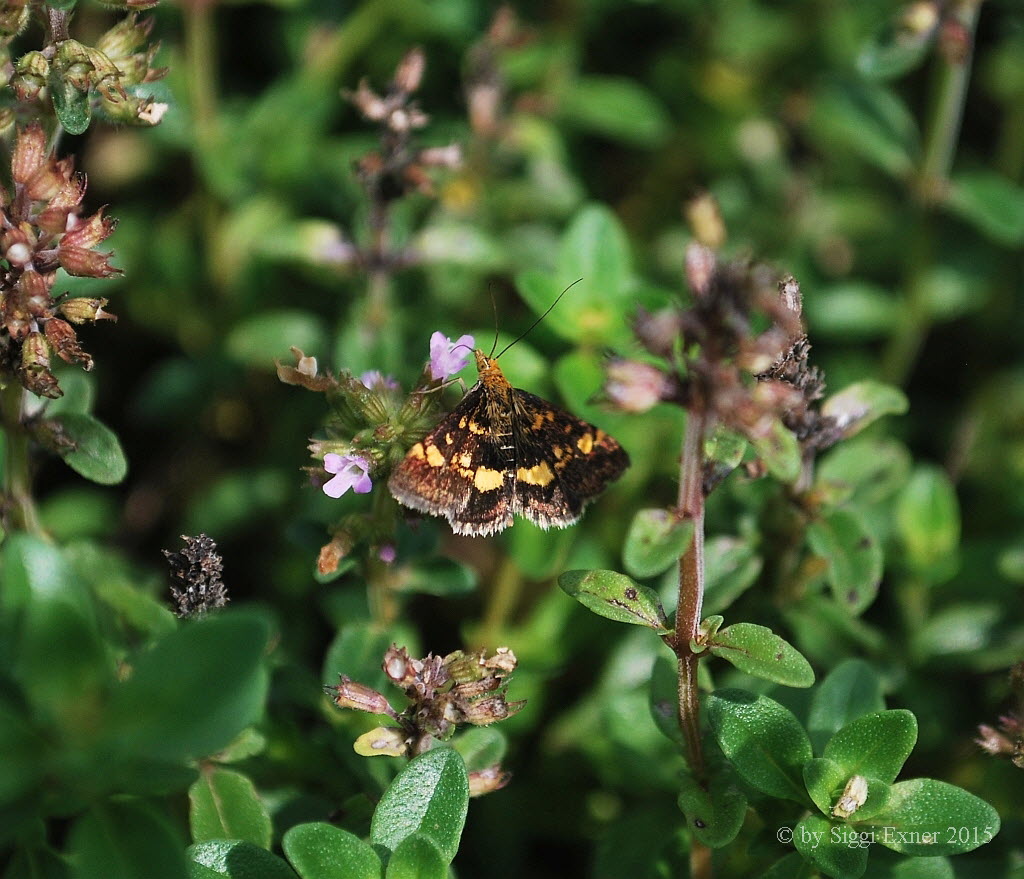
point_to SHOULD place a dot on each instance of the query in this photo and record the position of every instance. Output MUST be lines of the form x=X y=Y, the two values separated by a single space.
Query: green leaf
x=827 y=783
x=481 y=747
x=840 y=859
x=615 y=596
x=894 y=50
x=72 y=106
x=321 y=851
x=430 y=796
x=758 y=651
x=959 y=629
x=125 y=840
x=268 y=335
x=779 y=449
x=933 y=818
x=853 y=556
x=595 y=253
x=236 y=859
x=763 y=741
x=869 y=120
x=663 y=699
x=731 y=567
x=991 y=203
x=876 y=744
x=928 y=519
x=357 y=651
x=97 y=454
x=713 y=816
x=862 y=403
x=851 y=690
x=167 y=707
x=618 y=108
x=865 y=470
x=223 y=804
x=655 y=541
x=417 y=858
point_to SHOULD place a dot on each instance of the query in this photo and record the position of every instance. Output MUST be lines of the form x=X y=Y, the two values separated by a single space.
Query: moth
x=504 y=452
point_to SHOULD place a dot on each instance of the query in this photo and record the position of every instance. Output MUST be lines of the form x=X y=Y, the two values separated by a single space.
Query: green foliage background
x=229 y=211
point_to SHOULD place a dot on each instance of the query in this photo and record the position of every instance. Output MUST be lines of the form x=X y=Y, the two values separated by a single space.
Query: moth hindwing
x=504 y=452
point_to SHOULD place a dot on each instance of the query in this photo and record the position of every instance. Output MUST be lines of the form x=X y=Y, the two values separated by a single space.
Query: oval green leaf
x=322 y=851
x=827 y=781
x=875 y=745
x=932 y=818
x=763 y=741
x=430 y=796
x=190 y=718
x=839 y=858
x=615 y=596
x=655 y=541
x=417 y=858
x=928 y=518
x=97 y=454
x=758 y=651
x=224 y=804
x=713 y=816
x=993 y=204
x=853 y=556
x=852 y=689
x=71 y=105
x=236 y=859
x=618 y=108
x=862 y=403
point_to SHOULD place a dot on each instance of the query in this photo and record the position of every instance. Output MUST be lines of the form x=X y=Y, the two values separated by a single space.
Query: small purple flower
x=387 y=553
x=375 y=380
x=351 y=471
x=448 y=357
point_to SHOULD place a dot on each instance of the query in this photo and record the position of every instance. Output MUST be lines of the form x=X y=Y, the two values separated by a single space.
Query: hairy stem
x=691 y=587
x=942 y=133
x=18 y=508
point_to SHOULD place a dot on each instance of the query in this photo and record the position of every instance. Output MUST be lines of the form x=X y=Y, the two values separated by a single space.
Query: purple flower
x=387 y=553
x=448 y=357
x=351 y=471
x=375 y=380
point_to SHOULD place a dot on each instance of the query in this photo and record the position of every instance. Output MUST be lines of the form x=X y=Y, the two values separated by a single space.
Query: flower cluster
x=398 y=168
x=196 y=571
x=105 y=77
x=372 y=425
x=40 y=231
x=443 y=693
x=712 y=357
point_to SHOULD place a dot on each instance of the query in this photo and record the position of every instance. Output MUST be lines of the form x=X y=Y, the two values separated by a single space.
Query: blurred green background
x=834 y=153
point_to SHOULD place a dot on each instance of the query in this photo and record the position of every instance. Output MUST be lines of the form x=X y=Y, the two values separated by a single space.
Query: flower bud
x=30 y=150
x=700 y=267
x=487 y=781
x=124 y=38
x=89 y=232
x=484 y=712
x=659 y=331
x=35 y=367
x=398 y=666
x=705 y=220
x=82 y=310
x=13 y=18
x=409 y=73
x=349 y=694
x=64 y=341
x=442 y=157
x=633 y=386
x=83 y=263
x=30 y=74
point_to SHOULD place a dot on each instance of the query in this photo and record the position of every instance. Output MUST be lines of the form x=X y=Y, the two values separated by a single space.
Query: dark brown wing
x=562 y=462
x=461 y=470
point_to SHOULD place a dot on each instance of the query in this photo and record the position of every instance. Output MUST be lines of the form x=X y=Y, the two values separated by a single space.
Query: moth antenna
x=530 y=328
x=494 y=308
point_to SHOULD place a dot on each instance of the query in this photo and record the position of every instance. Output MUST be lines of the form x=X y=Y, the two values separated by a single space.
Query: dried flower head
x=443 y=693
x=41 y=230
x=196 y=572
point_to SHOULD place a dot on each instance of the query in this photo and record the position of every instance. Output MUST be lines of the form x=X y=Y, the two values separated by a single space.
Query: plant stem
x=691 y=587
x=18 y=507
x=929 y=185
